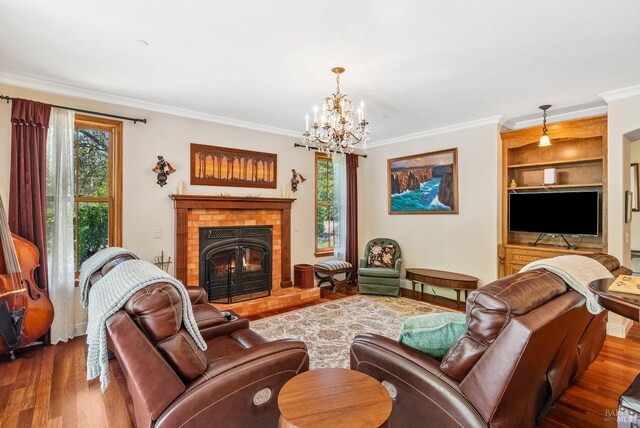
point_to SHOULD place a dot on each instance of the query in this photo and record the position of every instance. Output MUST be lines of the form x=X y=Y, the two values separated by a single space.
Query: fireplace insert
x=235 y=262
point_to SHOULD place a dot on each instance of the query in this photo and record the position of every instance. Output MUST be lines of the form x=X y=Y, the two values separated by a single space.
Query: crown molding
x=77 y=92
x=619 y=94
x=513 y=124
x=491 y=120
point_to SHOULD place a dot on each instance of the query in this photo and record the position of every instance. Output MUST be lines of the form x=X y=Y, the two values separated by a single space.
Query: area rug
x=328 y=329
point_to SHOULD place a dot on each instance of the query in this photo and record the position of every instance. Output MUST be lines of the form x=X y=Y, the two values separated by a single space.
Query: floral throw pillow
x=381 y=256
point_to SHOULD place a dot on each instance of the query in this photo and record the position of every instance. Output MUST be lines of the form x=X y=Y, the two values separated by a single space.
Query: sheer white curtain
x=340 y=205
x=60 y=204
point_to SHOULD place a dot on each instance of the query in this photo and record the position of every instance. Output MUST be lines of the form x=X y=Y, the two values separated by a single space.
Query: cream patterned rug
x=329 y=328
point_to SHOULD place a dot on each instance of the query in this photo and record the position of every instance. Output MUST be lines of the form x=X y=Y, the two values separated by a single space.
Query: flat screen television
x=557 y=213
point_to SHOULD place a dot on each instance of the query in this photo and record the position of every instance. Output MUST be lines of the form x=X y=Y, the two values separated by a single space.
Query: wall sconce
x=163 y=169
x=295 y=180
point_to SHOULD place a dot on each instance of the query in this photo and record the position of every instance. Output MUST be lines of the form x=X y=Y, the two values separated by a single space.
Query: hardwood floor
x=46 y=385
x=593 y=400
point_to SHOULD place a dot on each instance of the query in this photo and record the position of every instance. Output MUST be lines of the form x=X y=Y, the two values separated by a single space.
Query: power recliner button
x=393 y=392
x=262 y=396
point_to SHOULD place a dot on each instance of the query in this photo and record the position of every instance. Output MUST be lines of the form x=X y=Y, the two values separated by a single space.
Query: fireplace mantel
x=230 y=202
x=184 y=203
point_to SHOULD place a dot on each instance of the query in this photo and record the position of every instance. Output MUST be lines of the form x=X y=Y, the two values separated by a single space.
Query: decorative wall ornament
x=222 y=166
x=424 y=184
x=163 y=169
x=295 y=180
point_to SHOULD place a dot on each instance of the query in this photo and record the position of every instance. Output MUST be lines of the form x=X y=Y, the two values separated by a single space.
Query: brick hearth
x=195 y=211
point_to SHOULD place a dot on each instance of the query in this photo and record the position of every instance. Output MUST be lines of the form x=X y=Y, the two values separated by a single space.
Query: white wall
x=145 y=204
x=623 y=119
x=464 y=243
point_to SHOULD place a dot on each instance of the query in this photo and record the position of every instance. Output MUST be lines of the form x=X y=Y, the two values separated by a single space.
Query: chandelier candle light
x=333 y=133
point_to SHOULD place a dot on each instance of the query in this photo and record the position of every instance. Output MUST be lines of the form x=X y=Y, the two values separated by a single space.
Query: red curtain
x=352 y=255
x=28 y=191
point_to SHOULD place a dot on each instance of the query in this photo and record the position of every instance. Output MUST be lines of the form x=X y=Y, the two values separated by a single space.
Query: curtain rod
x=115 y=116
x=332 y=151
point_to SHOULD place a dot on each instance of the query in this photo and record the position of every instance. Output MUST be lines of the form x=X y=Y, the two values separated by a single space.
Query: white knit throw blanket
x=110 y=294
x=92 y=265
x=577 y=272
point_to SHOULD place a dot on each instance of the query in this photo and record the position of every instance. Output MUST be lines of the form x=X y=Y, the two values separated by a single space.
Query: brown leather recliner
x=205 y=315
x=528 y=338
x=171 y=382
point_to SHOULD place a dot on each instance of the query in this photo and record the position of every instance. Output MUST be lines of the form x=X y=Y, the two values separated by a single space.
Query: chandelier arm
x=319 y=140
x=355 y=137
x=332 y=151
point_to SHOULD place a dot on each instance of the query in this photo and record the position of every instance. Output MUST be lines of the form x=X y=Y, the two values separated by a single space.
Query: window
x=325 y=209
x=98 y=185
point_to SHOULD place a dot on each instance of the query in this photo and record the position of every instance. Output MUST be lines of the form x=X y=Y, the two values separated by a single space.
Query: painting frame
x=424 y=159
x=635 y=187
x=201 y=153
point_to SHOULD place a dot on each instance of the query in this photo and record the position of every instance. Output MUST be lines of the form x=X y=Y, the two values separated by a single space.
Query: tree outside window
x=326 y=210
x=97 y=220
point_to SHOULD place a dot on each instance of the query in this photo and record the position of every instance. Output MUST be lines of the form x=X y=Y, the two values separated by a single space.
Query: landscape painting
x=424 y=184
x=223 y=166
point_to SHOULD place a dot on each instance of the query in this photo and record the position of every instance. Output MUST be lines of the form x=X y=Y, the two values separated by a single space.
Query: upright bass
x=26 y=312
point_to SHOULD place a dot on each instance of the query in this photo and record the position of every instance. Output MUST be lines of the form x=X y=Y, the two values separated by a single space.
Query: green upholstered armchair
x=379 y=280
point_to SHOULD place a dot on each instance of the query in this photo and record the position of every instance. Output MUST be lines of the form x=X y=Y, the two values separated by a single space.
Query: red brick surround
x=195 y=211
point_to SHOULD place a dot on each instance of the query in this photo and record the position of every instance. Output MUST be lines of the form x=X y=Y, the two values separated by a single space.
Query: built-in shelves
x=556 y=186
x=578 y=153
x=556 y=163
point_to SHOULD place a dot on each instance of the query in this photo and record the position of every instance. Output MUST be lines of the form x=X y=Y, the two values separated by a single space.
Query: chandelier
x=334 y=132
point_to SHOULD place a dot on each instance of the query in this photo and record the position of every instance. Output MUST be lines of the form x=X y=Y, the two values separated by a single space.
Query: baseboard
x=619 y=330
x=80 y=330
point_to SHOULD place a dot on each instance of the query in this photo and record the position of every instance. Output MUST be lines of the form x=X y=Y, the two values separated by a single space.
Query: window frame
x=114 y=197
x=321 y=252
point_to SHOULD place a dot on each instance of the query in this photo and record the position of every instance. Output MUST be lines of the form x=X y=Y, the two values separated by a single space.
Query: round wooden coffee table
x=334 y=398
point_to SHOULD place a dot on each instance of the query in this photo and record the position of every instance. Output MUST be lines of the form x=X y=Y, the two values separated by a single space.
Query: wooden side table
x=623 y=304
x=441 y=278
x=334 y=398
x=628 y=306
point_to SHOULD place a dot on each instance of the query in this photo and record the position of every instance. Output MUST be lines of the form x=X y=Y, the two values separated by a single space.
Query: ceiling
x=419 y=65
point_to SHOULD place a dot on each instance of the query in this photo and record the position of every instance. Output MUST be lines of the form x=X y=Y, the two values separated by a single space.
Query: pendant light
x=545 y=141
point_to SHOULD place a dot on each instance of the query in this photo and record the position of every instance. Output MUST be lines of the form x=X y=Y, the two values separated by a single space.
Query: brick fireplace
x=196 y=211
x=235 y=262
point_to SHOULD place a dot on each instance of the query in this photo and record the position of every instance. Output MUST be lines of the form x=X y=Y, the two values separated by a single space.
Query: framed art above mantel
x=224 y=166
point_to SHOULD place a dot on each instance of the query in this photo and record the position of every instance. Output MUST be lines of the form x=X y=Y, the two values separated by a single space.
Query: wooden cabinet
x=578 y=152
x=512 y=258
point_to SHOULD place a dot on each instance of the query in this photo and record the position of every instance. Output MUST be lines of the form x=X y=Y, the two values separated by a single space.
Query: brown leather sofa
x=528 y=337
x=171 y=382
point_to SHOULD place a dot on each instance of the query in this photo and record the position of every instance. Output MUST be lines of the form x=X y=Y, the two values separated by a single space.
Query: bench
x=327 y=270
